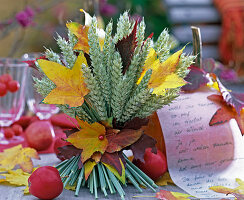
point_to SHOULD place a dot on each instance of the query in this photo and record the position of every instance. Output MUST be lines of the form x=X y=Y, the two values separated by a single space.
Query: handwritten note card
x=200 y=156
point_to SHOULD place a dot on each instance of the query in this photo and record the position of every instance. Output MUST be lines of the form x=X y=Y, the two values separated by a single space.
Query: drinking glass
x=34 y=99
x=12 y=104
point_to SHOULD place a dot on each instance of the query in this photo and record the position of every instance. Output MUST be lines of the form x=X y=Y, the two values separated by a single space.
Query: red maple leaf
x=126 y=48
x=113 y=160
x=196 y=78
x=225 y=113
x=139 y=147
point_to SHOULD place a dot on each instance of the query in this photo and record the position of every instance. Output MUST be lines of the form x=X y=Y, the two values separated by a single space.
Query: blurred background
x=28 y=26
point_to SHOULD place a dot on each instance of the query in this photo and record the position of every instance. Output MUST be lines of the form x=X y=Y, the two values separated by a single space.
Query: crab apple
x=5 y=78
x=18 y=130
x=8 y=133
x=45 y=183
x=3 y=89
x=155 y=165
x=13 y=86
x=39 y=135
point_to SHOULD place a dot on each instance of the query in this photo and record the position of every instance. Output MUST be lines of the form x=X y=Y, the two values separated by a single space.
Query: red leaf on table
x=225 y=113
x=196 y=78
x=139 y=147
x=236 y=100
x=126 y=48
x=113 y=160
x=124 y=138
x=167 y=195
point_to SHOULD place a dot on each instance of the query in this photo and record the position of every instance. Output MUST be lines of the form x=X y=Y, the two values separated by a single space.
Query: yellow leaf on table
x=17 y=178
x=70 y=86
x=88 y=140
x=163 y=74
x=164 y=180
x=238 y=192
x=88 y=166
x=18 y=155
x=115 y=171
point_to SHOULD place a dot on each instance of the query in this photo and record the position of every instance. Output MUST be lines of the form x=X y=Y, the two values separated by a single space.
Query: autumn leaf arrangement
x=110 y=83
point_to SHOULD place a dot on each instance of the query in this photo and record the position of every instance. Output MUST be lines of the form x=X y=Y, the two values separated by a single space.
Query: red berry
x=3 y=89
x=155 y=165
x=45 y=183
x=8 y=133
x=101 y=137
x=18 y=130
x=13 y=86
x=5 y=78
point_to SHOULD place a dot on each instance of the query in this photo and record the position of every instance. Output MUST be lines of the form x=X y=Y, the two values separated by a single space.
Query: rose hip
x=3 y=89
x=45 y=183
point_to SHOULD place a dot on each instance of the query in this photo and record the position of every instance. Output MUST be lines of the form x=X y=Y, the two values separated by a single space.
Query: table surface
x=15 y=193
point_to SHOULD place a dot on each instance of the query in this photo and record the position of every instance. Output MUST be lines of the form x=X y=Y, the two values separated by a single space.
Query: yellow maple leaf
x=163 y=74
x=18 y=155
x=81 y=32
x=164 y=180
x=70 y=86
x=88 y=166
x=88 y=139
x=17 y=178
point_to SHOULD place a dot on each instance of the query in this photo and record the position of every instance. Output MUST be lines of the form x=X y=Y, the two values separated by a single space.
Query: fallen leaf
x=163 y=74
x=88 y=140
x=139 y=147
x=70 y=86
x=115 y=172
x=164 y=180
x=88 y=167
x=238 y=192
x=126 y=47
x=112 y=159
x=236 y=100
x=124 y=138
x=167 y=195
x=196 y=79
x=17 y=178
x=225 y=113
x=18 y=155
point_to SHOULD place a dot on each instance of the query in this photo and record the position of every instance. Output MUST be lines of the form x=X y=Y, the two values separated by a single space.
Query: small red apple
x=45 y=183
x=39 y=135
x=155 y=165
x=18 y=130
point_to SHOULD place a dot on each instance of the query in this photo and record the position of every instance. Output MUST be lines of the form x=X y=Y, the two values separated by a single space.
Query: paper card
x=200 y=156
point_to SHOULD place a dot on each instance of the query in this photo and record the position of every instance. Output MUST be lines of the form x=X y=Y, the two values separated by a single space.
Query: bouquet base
x=102 y=178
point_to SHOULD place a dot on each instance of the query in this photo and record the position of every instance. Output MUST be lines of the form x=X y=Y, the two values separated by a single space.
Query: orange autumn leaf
x=70 y=86
x=88 y=140
x=163 y=74
x=81 y=32
x=17 y=155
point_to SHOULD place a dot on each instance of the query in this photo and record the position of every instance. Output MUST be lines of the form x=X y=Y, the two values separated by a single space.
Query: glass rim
x=12 y=62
